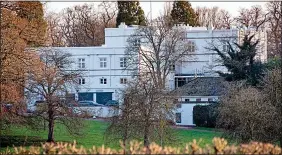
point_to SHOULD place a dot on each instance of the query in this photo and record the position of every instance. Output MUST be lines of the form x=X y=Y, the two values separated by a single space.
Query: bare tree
x=274 y=35
x=272 y=88
x=151 y=53
x=253 y=113
x=51 y=81
x=145 y=114
x=55 y=36
x=245 y=113
x=253 y=17
x=154 y=50
x=167 y=8
x=82 y=25
x=108 y=12
x=219 y=18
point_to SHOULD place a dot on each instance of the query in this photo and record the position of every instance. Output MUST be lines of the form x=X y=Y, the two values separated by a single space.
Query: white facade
x=187 y=103
x=103 y=73
x=203 y=61
x=103 y=69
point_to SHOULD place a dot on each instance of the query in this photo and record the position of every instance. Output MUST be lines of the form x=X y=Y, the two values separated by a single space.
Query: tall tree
x=163 y=47
x=274 y=36
x=55 y=37
x=254 y=17
x=182 y=12
x=219 y=18
x=156 y=48
x=81 y=25
x=130 y=12
x=51 y=81
x=22 y=26
x=240 y=60
x=144 y=113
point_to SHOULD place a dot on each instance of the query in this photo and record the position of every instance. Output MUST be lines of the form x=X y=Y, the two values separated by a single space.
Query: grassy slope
x=94 y=135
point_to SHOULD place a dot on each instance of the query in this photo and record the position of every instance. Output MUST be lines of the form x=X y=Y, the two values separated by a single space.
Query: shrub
x=219 y=146
x=205 y=115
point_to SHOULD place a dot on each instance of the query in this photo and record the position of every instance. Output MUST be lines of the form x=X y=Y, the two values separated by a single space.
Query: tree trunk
x=51 y=123
x=280 y=138
x=146 y=136
x=51 y=130
x=124 y=145
x=146 y=139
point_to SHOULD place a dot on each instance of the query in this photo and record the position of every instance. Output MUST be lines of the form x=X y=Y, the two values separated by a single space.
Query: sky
x=157 y=7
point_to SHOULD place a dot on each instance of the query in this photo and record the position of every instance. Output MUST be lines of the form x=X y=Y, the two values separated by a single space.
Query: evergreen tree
x=130 y=12
x=240 y=61
x=182 y=12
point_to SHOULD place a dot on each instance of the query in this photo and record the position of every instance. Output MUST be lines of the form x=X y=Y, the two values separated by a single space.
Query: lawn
x=94 y=135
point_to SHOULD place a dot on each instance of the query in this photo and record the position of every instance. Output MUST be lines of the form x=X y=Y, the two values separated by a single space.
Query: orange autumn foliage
x=22 y=26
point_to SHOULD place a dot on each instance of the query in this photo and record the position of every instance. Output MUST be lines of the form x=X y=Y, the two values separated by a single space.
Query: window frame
x=192 y=46
x=171 y=66
x=103 y=81
x=81 y=81
x=103 y=62
x=81 y=63
x=225 y=47
x=123 y=81
x=178 y=117
x=122 y=62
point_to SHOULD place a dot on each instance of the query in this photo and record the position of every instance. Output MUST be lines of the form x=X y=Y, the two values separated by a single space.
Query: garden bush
x=205 y=115
x=219 y=146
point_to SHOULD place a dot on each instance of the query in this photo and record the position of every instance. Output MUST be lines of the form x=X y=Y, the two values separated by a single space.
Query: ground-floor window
x=178 y=117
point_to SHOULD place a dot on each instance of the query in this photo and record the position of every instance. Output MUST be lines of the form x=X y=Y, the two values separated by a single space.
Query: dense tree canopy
x=182 y=12
x=240 y=61
x=130 y=12
x=22 y=26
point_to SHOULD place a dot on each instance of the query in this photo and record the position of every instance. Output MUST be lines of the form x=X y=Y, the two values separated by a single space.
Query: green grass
x=205 y=136
x=94 y=135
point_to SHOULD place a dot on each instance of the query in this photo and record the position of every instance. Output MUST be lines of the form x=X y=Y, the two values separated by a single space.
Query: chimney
x=122 y=25
x=210 y=27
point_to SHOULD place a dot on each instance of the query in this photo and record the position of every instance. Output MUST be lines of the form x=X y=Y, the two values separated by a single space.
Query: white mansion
x=104 y=74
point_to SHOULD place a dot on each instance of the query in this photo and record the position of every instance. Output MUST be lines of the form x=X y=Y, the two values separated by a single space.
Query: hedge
x=219 y=146
x=205 y=115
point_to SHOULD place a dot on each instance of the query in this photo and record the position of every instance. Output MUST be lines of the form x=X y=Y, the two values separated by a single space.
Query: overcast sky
x=157 y=7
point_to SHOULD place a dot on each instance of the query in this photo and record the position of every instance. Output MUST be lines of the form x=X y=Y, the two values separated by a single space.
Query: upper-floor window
x=103 y=62
x=191 y=46
x=122 y=62
x=171 y=66
x=137 y=42
x=81 y=63
x=81 y=81
x=123 y=80
x=225 y=47
x=103 y=81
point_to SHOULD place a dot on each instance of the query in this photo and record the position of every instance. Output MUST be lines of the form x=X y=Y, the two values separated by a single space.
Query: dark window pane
x=178 y=117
